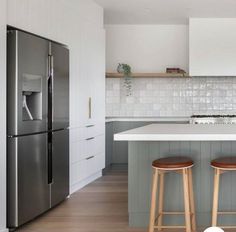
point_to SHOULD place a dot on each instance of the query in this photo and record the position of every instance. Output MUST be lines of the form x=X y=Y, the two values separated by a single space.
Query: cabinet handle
x=90 y=107
x=90 y=157
x=90 y=138
x=90 y=126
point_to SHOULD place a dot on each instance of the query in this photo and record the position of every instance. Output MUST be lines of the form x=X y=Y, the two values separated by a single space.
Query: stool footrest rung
x=170 y=213
x=226 y=212
x=169 y=227
x=226 y=227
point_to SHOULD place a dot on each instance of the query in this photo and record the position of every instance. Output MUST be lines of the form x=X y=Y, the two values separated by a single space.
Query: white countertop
x=147 y=119
x=180 y=132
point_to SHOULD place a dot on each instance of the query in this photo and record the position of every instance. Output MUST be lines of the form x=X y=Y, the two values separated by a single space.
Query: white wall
x=60 y=20
x=2 y=115
x=147 y=48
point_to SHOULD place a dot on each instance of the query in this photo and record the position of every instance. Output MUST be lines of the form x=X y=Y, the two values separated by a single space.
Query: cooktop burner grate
x=213 y=119
x=214 y=116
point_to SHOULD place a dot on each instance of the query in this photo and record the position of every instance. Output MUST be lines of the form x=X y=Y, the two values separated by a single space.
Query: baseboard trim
x=84 y=182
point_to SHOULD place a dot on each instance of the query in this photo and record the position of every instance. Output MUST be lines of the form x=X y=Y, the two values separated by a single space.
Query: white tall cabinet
x=88 y=140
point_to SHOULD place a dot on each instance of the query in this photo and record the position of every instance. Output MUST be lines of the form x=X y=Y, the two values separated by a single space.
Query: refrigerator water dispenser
x=32 y=97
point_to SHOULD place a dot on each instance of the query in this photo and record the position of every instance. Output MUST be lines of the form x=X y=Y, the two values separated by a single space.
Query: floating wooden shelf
x=143 y=75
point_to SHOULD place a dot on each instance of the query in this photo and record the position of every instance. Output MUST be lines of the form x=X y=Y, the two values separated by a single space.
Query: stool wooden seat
x=182 y=165
x=224 y=163
x=221 y=165
x=177 y=162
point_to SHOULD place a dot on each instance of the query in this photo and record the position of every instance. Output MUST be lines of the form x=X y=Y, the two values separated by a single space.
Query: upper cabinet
x=212 y=47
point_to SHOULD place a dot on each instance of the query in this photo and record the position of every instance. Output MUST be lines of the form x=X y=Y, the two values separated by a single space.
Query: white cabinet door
x=212 y=47
x=98 y=79
x=96 y=74
x=79 y=87
x=94 y=164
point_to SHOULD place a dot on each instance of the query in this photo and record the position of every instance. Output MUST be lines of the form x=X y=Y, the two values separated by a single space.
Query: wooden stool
x=181 y=165
x=221 y=165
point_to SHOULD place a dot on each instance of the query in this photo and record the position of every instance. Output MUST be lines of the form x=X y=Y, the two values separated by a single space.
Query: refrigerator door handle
x=50 y=179
x=50 y=66
x=50 y=91
x=52 y=86
x=50 y=171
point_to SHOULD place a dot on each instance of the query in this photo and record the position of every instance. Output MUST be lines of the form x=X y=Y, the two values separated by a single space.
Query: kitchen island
x=202 y=143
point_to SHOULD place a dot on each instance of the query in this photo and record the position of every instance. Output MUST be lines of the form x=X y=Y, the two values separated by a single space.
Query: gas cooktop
x=214 y=116
x=213 y=119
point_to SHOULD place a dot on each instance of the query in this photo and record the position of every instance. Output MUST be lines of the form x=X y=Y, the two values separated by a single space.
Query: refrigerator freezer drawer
x=28 y=191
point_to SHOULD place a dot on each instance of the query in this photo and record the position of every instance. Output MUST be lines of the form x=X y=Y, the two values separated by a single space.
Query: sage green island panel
x=141 y=155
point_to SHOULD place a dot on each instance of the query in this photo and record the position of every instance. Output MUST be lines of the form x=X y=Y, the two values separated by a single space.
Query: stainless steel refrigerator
x=37 y=126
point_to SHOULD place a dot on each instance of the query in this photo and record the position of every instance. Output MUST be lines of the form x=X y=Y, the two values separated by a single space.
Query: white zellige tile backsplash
x=171 y=96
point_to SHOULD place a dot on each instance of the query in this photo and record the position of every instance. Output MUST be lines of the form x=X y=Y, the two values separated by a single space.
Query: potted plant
x=125 y=69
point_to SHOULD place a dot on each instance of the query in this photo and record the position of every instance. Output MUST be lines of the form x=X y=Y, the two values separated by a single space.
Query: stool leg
x=160 y=200
x=215 y=196
x=192 y=204
x=153 y=201
x=186 y=200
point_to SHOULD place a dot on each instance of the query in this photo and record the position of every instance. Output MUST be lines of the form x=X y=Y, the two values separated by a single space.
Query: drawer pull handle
x=90 y=138
x=90 y=126
x=90 y=157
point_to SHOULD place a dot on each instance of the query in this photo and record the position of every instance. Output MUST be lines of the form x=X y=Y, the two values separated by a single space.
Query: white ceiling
x=164 y=11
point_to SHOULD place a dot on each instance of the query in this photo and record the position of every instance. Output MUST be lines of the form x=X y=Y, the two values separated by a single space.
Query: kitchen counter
x=200 y=142
x=180 y=132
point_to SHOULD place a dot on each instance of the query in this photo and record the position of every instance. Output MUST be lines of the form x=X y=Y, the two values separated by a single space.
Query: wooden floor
x=101 y=206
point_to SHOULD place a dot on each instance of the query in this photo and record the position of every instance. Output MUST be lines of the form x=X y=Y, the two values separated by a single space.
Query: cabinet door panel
x=96 y=73
x=79 y=151
x=212 y=47
x=95 y=164
x=95 y=130
x=78 y=172
x=98 y=77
